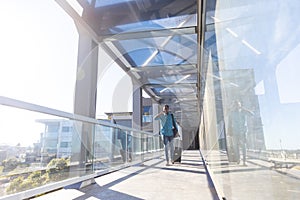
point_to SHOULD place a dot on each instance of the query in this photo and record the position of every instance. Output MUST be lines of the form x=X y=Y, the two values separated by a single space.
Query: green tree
x=35 y=179
x=10 y=164
x=58 y=168
x=15 y=185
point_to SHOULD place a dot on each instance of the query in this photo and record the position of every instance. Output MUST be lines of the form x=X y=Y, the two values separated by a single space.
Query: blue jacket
x=166 y=124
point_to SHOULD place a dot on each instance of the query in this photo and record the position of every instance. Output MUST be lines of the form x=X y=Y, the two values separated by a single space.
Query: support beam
x=149 y=34
x=137 y=107
x=86 y=80
x=85 y=98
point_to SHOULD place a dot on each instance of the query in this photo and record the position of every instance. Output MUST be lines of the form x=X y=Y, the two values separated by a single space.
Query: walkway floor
x=153 y=180
x=257 y=180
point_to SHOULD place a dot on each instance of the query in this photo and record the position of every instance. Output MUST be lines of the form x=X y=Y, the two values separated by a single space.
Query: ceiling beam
x=77 y=19
x=164 y=67
x=149 y=34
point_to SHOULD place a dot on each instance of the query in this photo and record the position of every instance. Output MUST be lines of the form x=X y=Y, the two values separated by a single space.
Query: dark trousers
x=239 y=142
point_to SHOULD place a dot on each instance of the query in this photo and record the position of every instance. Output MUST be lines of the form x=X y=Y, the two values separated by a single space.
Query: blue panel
x=159 y=24
x=113 y=17
x=102 y=3
x=160 y=50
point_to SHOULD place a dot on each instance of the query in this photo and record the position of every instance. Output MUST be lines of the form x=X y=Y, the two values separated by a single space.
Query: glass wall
x=251 y=104
x=44 y=145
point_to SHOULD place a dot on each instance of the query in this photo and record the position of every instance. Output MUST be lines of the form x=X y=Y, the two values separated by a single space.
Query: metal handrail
x=6 y=101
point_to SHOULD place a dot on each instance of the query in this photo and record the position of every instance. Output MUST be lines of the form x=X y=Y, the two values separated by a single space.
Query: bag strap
x=173 y=121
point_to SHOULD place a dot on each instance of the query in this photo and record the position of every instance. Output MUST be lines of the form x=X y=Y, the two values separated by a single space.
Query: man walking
x=166 y=123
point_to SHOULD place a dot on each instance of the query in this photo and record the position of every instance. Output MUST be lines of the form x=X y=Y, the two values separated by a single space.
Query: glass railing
x=42 y=149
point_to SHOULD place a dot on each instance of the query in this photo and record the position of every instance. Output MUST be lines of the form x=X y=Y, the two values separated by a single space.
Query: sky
x=38 y=65
x=36 y=56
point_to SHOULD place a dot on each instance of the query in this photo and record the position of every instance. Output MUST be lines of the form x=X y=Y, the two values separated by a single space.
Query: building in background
x=147 y=112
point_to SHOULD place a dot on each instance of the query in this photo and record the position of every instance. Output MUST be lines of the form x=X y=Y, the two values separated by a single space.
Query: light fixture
x=231 y=32
x=183 y=78
x=167 y=88
x=251 y=47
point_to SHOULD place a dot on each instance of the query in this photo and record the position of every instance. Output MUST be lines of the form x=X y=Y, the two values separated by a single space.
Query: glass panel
x=32 y=156
x=113 y=83
x=251 y=103
x=159 y=51
x=102 y=3
x=162 y=76
x=113 y=17
x=159 y=24
x=177 y=90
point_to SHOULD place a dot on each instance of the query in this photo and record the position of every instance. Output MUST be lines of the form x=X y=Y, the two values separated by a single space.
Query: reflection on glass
x=138 y=16
x=251 y=60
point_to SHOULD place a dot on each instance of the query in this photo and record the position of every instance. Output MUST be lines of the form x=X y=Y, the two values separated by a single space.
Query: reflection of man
x=125 y=139
x=238 y=125
x=126 y=151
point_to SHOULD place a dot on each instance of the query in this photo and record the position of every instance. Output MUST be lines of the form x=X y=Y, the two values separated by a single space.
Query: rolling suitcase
x=177 y=154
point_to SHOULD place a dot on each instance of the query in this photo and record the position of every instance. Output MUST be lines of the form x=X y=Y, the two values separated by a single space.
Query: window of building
x=52 y=128
x=66 y=129
x=146 y=110
x=146 y=114
x=64 y=144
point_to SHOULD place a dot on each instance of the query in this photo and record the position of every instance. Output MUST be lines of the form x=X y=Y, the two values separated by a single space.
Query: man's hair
x=166 y=106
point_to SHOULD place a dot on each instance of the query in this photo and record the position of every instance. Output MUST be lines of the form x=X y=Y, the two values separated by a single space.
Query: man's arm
x=248 y=111
x=156 y=117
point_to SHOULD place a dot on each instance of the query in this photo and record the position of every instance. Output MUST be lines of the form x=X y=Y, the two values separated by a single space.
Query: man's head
x=166 y=108
x=237 y=104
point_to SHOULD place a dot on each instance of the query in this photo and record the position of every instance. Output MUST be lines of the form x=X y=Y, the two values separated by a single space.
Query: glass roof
x=180 y=78
x=155 y=42
x=172 y=22
x=102 y=3
x=172 y=50
x=112 y=17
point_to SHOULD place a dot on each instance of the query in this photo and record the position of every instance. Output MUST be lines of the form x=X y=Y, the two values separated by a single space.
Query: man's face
x=165 y=109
